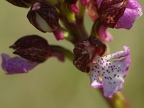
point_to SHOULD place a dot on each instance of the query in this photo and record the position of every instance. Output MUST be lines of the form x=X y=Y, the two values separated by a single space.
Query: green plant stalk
x=117 y=101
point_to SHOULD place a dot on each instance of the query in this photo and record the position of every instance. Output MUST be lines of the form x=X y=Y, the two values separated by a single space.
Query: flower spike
x=112 y=73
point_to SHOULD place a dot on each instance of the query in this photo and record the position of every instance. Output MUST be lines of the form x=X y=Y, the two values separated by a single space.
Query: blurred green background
x=60 y=85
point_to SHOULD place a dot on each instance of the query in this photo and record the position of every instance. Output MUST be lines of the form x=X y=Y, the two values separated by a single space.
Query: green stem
x=117 y=101
x=65 y=51
x=74 y=26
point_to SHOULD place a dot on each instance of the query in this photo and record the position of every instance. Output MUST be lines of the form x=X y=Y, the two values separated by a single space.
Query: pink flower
x=115 y=14
x=110 y=75
x=132 y=12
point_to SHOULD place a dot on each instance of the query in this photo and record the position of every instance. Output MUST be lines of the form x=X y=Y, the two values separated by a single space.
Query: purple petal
x=132 y=12
x=112 y=73
x=16 y=64
x=104 y=34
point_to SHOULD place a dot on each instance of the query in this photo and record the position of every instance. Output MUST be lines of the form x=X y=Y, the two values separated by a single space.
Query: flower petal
x=132 y=12
x=112 y=73
x=16 y=64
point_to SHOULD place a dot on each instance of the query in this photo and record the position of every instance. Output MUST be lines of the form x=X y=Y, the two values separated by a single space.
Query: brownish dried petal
x=47 y=12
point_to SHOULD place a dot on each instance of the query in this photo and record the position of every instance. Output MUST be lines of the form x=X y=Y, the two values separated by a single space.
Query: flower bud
x=45 y=18
x=86 y=51
x=36 y=49
x=33 y=48
x=22 y=3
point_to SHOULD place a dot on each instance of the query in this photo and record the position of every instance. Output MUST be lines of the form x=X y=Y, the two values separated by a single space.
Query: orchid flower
x=65 y=19
x=111 y=73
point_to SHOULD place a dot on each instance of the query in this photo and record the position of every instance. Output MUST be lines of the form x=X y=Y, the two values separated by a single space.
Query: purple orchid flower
x=111 y=73
x=132 y=12
x=115 y=14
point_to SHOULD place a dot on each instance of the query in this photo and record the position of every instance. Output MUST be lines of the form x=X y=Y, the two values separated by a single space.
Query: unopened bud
x=43 y=16
x=33 y=48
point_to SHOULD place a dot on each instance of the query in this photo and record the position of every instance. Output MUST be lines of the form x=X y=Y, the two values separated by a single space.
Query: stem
x=65 y=51
x=74 y=26
x=117 y=101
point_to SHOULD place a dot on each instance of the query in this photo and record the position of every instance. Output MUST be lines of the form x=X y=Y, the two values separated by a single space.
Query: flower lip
x=16 y=65
x=132 y=12
x=112 y=73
